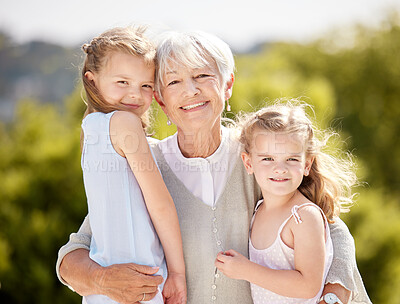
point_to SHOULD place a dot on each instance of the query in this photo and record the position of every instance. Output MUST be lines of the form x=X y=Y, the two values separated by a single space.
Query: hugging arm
x=344 y=279
x=124 y=283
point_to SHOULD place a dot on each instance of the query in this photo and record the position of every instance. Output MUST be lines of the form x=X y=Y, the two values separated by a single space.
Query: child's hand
x=232 y=264
x=174 y=291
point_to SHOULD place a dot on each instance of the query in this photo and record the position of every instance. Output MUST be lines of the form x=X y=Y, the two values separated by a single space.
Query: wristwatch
x=330 y=298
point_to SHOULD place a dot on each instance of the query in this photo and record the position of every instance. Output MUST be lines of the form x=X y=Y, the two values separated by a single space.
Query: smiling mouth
x=192 y=106
x=279 y=179
x=131 y=105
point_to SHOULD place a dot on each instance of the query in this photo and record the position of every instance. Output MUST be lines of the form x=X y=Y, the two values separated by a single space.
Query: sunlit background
x=343 y=57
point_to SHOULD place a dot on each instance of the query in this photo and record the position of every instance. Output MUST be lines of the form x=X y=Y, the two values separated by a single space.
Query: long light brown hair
x=331 y=178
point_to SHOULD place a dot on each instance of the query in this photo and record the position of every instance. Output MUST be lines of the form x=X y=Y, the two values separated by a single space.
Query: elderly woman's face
x=194 y=98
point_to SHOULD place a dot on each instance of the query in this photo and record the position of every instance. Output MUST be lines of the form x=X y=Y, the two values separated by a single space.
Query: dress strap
x=258 y=205
x=254 y=213
x=297 y=217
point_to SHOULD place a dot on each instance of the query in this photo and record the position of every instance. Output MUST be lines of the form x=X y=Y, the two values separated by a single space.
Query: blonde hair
x=331 y=178
x=130 y=40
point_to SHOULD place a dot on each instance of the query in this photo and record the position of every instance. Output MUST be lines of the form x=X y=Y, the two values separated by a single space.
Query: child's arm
x=303 y=282
x=129 y=140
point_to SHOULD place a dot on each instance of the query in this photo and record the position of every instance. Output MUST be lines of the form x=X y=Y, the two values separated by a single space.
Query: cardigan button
x=214 y=286
x=213 y=298
x=215 y=230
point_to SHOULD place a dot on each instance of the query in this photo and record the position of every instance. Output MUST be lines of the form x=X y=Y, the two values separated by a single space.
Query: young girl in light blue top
x=125 y=191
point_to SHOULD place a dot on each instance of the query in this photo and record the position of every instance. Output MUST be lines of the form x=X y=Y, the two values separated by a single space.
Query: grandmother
x=213 y=194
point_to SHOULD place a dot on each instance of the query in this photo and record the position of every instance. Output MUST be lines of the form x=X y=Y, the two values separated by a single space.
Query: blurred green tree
x=42 y=201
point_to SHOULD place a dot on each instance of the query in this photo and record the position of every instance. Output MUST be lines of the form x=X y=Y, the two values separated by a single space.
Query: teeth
x=279 y=179
x=194 y=106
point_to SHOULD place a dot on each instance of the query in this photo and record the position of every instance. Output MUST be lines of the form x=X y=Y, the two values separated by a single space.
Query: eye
x=293 y=159
x=147 y=86
x=203 y=75
x=267 y=159
x=122 y=82
x=172 y=82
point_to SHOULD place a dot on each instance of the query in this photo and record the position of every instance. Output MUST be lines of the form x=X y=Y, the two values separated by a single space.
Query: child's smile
x=126 y=80
x=278 y=162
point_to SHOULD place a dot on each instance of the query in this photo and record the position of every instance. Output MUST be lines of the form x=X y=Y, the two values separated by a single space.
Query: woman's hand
x=232 y=264
x=126 y=283
x=175 y=289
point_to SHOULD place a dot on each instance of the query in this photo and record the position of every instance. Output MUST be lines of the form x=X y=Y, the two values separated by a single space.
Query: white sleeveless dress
x=280 y=256
x=122 y=230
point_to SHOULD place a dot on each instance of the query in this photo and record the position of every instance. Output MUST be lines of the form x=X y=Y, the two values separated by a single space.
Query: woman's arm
x=125 y=283
x=303 y=282
x=342 y=293
x=343 y=274
x=129 y=140
x=78 y=240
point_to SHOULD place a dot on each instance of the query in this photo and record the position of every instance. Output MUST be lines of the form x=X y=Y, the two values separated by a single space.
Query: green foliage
x=42 y=201
x=354 y=84
x=159 y=127
x=374 y=222
x=266 y=76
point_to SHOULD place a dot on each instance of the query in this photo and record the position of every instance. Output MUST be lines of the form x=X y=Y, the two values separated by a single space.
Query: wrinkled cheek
x=174 y=114
x=168 y=109
x=219 y=107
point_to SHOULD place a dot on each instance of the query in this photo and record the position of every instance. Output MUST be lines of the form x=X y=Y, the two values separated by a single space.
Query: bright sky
x=241 y=23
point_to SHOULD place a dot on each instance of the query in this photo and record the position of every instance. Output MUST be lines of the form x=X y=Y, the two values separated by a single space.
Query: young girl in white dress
x=125 y=192
x=303 y=189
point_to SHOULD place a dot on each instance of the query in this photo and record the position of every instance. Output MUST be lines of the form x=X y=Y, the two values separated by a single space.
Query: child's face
x=278 y=162
x=126 y=80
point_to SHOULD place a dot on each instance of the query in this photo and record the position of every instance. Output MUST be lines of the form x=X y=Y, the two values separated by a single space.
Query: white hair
x=192 y=50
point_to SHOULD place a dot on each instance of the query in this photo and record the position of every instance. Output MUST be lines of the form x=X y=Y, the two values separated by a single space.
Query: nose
x=134 y=92
x=280 y=168
x=191 y=88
